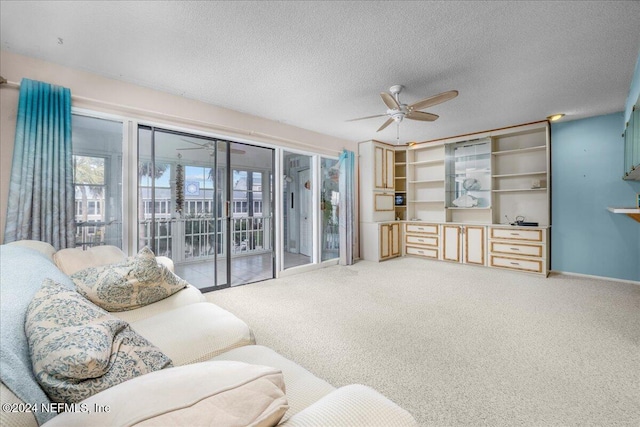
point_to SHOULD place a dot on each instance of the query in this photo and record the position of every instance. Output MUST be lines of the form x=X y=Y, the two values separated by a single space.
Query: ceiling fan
x=209 y=146
x=398 y=111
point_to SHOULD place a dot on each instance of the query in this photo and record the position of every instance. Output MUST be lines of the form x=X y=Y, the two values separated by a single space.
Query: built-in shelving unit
x=401 y=184
x=510 y=167
x=425 y=183
x=520 y=150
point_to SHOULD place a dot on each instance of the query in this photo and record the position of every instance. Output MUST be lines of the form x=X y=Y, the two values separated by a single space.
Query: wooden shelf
x=633 y=213
x=512 y=175
x=520 y=150
x=469 y=209
x=514 y=190
x=426 y=201
x=426 y=181
x=427 y=162
x=400 y=163
x=401 y=177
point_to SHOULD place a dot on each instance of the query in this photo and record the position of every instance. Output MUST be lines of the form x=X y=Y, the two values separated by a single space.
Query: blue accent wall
x=587 y=168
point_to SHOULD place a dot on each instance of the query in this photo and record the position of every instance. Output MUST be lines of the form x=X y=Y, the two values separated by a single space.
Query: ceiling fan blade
x=195 y=143
x=389 y=100
x=433 y=100
x=368 y=117
x=422 y=116
x=387 y=123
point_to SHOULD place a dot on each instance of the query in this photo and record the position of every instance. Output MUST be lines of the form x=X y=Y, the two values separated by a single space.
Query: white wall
x=94 y=92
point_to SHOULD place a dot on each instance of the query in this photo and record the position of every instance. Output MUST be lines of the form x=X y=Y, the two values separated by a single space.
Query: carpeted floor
x=459 y=345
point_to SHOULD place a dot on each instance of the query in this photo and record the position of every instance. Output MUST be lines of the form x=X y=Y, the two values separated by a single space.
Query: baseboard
x=589 y=276
x=307 y=267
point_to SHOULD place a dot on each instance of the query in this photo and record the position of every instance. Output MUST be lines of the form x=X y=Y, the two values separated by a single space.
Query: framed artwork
x=638 y=200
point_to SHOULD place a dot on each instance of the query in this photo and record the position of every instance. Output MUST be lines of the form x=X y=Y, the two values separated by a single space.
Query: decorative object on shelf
x=465 y=201
x=471 y=184
x=179 y=186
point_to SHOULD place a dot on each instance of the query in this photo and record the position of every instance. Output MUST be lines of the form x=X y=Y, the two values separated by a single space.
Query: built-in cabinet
x=422 y=240
x=632 y=144
x=389 y=240
x=519 y=248
x=479 y=199
x=464 y=243
x=384 y=168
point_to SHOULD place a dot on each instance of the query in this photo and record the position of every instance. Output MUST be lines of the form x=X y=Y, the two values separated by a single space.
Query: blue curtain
x=41 y=197
x=347 y=205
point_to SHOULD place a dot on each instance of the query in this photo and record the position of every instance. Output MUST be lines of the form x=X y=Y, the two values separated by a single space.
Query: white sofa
x=194 y=334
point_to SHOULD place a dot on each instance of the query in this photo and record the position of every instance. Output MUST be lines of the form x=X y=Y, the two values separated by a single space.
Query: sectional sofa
x=219 y=375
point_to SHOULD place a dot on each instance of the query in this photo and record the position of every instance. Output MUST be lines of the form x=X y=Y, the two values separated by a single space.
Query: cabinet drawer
x=534 y=266
x=426 y=228
x=384 y=202
x=425 y=252
x=516 y=249
x=423 y=240
x=516 y=234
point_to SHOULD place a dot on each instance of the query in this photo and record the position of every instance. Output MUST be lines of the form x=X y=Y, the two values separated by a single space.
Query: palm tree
x=89 y=175
x=145 y=169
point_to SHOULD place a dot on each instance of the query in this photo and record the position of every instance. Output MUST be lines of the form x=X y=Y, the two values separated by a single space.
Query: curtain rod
x=157 y=114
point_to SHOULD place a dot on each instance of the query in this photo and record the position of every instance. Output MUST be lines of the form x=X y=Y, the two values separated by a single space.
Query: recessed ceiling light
x=555 y=117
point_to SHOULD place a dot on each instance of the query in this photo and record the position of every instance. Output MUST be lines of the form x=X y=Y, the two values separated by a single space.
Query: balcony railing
x=191 y=239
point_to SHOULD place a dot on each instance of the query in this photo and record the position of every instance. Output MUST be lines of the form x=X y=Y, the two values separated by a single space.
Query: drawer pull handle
x=515 y=249
x=515 y=234
x=420 y=252
x=515 y=263
x=420 y=228
x=420 y=240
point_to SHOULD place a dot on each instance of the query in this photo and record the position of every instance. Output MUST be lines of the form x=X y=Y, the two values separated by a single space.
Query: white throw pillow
x=212 y=393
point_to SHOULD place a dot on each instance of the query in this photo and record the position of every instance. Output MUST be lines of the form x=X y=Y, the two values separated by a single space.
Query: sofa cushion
x=194 y=333
x=189 y=295
x=73 y=260
x=43 y=247
x=133 y=283
x=22 y=271
x=78 y=349
x=303 y=388
x=354 y=405
x=226 y=394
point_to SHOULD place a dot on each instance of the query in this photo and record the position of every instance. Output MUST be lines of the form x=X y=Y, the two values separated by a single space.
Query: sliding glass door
x=203 y=202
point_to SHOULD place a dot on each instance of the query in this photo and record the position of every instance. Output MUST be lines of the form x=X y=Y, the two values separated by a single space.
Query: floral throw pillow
x=133 y=283
x=78 y=349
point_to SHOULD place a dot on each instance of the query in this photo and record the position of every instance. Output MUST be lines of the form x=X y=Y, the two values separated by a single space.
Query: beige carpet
x=459 y=345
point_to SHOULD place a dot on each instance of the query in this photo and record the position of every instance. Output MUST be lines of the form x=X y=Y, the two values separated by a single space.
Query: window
x=97 y=180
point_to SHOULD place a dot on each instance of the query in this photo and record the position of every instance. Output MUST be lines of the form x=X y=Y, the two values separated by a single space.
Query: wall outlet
x=535 y=183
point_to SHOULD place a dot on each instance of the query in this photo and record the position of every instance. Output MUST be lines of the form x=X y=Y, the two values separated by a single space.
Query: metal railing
x=190 y=239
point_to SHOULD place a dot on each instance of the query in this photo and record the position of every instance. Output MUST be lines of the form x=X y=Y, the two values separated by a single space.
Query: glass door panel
x=329 y=199
x=251 y=213
x=297 y=210
x=202 y=203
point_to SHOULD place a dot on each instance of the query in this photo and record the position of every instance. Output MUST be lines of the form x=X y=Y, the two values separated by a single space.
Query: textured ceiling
x=317 y=64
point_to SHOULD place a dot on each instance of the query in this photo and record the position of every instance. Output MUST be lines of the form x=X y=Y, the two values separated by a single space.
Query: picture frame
x=638 y=200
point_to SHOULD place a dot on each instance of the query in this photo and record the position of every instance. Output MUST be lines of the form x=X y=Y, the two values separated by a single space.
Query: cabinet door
x=395 y=239
x=378 y=167
x=390 y=168
x=474 y=245
x=451 y=242
x=385 y=247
